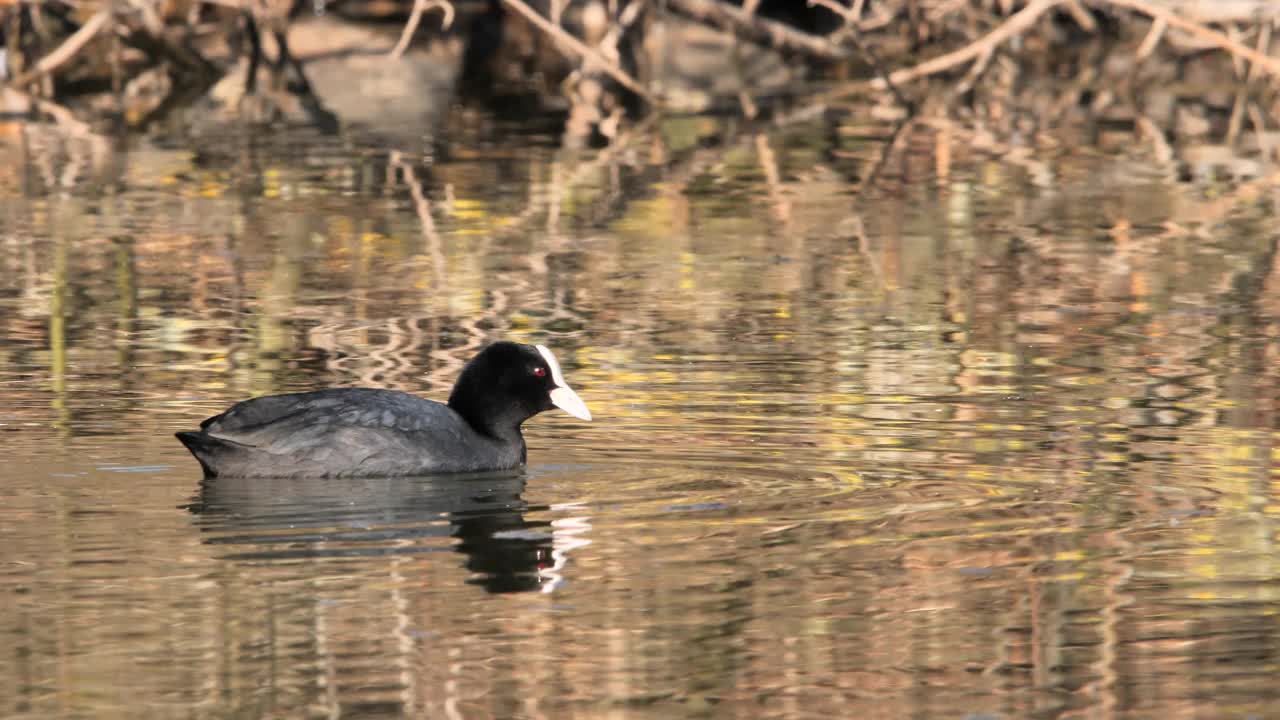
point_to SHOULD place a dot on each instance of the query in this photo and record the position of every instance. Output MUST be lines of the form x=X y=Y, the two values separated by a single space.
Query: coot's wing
x=283 y=423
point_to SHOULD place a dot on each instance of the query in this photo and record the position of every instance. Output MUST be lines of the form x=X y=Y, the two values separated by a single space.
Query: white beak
x=563 y=396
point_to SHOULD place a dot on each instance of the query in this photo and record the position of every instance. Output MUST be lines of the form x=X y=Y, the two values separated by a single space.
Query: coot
x=355 y=432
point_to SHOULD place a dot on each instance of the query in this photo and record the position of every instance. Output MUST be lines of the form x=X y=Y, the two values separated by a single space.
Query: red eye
x=539 y=372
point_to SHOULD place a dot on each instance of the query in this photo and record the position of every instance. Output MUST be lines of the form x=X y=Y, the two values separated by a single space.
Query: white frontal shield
x=563 y=396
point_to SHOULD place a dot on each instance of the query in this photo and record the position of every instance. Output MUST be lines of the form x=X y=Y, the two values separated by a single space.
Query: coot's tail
x=210 y=451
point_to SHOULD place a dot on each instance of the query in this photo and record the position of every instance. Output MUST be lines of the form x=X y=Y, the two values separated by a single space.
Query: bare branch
x=67 y=50
x=1155 y=12
x=579 y=47
x=759 y=30
x=420 y=7
x=1018 y=22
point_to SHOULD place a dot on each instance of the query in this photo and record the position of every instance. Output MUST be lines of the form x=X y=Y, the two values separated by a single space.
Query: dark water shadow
x=482 y=516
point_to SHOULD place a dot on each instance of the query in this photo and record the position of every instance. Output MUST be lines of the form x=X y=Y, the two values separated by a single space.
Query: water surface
x=994 y=442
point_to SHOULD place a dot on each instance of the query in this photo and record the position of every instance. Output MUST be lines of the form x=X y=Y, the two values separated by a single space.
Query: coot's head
x=508 y=383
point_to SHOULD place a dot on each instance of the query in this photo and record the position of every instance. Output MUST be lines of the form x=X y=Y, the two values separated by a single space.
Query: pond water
x=992 y=439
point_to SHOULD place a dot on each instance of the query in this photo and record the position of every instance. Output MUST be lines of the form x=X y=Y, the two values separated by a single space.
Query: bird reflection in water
x=285 y=519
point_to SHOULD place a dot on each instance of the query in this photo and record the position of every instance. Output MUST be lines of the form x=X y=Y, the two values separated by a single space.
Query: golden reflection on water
x=973 y=449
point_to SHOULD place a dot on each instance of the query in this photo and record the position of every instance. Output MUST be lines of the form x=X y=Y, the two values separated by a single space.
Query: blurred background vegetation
x=1172 y=73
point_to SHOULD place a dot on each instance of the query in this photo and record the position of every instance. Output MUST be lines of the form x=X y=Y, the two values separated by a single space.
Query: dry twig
x=420 y=7
x=1242 y=94
x=1018 y=22
x=1158 y=13
x=1149 y=43
x=1162 y=18
x=67 y=50
x=63 y=117
x=579 y=47
x=757 y=29
x=850 y=28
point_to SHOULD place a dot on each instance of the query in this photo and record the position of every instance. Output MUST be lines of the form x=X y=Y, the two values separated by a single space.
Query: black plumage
x=352 y=432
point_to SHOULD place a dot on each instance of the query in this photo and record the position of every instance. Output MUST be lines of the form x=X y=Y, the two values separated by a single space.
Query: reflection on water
x=283 y=519
x=996 y=443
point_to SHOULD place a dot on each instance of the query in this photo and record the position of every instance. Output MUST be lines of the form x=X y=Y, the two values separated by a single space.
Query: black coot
x=365 y=432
